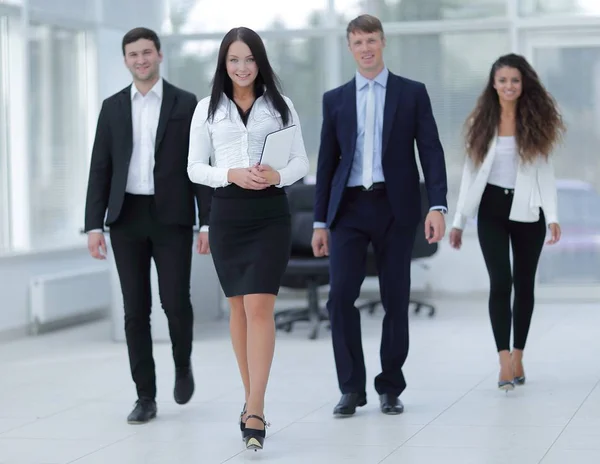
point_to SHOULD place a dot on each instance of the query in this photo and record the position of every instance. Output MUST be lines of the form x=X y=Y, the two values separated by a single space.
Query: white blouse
x=506 y=163
x=226 y=143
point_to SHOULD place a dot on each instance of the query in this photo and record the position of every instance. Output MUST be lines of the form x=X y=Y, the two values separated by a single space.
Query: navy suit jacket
x=408 y=117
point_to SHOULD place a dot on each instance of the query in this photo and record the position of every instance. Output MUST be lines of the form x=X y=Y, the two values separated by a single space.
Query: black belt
x=375 y=186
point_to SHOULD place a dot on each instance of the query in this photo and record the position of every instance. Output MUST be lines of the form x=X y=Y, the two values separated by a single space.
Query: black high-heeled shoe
x=242 y=423
x=255 y=438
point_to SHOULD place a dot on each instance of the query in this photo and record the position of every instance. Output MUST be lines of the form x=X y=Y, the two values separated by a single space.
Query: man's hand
x=435 y=226
x=554 y=233
x=320 y=243
x=202 y=246
x=97 y=245
x=266 y=171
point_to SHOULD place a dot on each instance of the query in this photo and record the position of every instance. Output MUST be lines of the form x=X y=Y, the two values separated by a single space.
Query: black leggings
x=495 y=232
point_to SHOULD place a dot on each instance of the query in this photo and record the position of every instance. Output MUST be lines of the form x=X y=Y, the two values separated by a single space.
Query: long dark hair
x=539 y=125
x=266 y=82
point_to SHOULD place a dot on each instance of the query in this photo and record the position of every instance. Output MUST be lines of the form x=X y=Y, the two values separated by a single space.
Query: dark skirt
x=250 y=239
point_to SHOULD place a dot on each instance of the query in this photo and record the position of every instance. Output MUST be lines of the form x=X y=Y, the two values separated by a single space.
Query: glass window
x=455 y=68
x=422 y=10
x=572 y=74
x=542 y=7
x=4 y=132
x=58 y=127
x=197 y=16
x=128 y=14
x=299 y=63
x=83 y=10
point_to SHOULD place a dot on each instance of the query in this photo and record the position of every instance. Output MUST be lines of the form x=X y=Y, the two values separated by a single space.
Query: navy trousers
x=366 y=217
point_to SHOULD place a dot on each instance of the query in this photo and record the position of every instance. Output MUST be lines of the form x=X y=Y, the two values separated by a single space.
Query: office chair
x=304 y=271
x=421 y=249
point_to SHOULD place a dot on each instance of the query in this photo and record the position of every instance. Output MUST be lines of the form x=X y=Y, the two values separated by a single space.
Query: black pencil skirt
x=250 y=239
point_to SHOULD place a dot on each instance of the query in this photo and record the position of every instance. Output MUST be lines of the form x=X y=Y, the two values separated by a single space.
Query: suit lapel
x=125 y=102
x=392 y=96
x=349 y=113
x=168 y=102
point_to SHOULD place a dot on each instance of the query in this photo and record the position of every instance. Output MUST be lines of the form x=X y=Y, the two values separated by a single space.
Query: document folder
x=277 y=147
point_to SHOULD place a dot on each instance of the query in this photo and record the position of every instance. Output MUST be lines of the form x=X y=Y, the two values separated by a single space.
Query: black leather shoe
x=184 y=385
x=390 y=404
x=348 y=404
x=144 y=411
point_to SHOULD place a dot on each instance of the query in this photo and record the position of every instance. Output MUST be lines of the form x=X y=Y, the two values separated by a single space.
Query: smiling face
x=241 y=65
x=508 y=83
x=367 y=49
x=143 y=60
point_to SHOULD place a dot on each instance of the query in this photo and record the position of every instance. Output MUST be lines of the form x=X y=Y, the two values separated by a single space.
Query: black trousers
x=136 y=238
x=366 y=217
x=496 y=232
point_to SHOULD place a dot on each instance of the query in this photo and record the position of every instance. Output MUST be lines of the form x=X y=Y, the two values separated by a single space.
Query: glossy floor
x=64 y=398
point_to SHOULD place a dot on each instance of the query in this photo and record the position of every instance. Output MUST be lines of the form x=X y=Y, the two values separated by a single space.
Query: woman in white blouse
x=250 y=228
x=508 y=182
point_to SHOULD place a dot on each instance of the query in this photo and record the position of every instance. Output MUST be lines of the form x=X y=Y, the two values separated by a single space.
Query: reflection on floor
x=64 y=398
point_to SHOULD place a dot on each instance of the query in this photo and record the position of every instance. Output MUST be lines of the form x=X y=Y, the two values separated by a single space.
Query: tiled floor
x=64 y=398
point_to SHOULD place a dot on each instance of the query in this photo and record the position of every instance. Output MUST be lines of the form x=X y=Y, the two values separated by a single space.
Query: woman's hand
x=456 y=238
x=554 y=233
x=247 y=178
x=268 y=173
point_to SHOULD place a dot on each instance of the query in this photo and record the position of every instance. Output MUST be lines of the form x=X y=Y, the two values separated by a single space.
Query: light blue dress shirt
x=362 y=89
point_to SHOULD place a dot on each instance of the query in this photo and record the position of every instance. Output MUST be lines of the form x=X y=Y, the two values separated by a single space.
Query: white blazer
x=535 y=187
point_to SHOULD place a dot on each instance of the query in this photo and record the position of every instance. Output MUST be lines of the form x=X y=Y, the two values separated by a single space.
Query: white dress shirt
x=145 y=112
x=535 y=187
x=226 y=143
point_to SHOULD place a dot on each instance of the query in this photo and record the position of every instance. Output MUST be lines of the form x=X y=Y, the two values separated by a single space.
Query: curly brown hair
x=539 y=125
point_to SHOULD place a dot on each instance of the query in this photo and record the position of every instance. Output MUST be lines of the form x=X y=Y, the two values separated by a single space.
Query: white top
x=534 y=187
x=145 y=113
x=226 y=143
x=506 y=163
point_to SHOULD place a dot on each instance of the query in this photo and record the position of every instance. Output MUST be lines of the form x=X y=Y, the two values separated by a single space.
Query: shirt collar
x=381 y=79
x=157 y=89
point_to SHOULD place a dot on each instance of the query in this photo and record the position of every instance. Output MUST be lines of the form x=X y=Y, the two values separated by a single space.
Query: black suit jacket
x=173 y=191
x=407 y=117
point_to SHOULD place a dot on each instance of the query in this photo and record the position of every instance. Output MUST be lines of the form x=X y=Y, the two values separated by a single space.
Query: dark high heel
x=519 y=380
x=506 y=385
x=242 y=423
x=255 y=438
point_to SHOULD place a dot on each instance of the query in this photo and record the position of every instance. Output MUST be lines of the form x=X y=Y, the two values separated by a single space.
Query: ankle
x=517 y=356
x=255 y=421
x=504 y=357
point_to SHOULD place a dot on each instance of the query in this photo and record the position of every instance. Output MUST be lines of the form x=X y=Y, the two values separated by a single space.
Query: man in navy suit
x=368 y=192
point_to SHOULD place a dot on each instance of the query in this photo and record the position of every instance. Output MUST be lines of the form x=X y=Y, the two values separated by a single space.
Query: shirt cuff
x=281 y=183
x=204 y=229
x=443 y=209
x=93 y=231
x=319 y=225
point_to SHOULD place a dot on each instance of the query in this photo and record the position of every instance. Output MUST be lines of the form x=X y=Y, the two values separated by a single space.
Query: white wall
x=16 y=271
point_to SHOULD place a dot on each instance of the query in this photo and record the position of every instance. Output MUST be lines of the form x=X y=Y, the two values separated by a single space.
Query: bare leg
x=517 y=363
x=260 y=349
x=506 y=370
x=238 y=330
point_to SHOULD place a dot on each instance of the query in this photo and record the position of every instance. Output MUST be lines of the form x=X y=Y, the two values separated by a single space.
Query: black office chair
x=304 y=271
x=421 y=249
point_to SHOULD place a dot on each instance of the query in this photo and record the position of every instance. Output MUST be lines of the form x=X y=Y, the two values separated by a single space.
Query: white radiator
x=66 y=297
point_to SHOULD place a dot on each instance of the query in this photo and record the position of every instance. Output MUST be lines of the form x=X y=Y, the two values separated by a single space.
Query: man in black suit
x=368 y=192
x=138 y=173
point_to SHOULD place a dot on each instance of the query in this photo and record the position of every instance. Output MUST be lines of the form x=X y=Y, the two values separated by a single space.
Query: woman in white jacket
x=508 y=183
